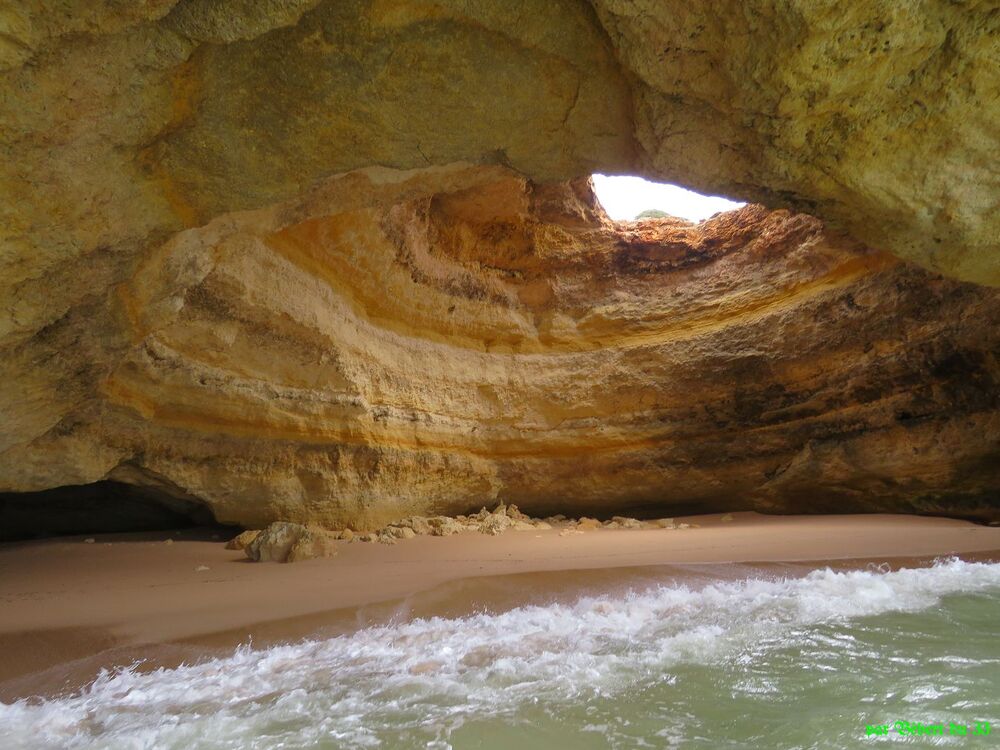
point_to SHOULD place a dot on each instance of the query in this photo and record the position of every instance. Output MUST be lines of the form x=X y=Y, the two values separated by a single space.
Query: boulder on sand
x=290 y=542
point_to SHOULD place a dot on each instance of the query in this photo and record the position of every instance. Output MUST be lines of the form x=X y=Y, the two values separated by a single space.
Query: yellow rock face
x=399 y=344
x=309 y=260
x=879 y=117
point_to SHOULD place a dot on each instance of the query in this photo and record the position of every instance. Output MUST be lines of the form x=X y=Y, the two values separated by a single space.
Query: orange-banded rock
x=418 y=343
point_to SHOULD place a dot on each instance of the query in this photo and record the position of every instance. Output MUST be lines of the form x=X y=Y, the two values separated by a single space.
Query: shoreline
x=70 y=608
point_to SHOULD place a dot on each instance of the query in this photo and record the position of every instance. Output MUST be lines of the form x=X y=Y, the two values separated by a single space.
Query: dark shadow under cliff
x=101 y=507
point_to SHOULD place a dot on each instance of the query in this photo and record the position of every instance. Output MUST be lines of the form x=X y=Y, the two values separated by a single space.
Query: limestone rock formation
x=879 y=117
x=336 y=262
x=289 y=542
x=405 y=344
x=243 y=540
x=274 y=543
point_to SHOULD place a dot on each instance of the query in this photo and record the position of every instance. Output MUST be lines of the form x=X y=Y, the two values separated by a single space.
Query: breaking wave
x=415 y=683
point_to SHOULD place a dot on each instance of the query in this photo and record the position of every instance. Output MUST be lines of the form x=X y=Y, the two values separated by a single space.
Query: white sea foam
x=432 y=674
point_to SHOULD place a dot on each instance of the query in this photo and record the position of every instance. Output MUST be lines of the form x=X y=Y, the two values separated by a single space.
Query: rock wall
x=430 y=342
x=320 y=260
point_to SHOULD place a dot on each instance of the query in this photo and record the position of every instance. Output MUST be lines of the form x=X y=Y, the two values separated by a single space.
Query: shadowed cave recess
x=315 y=272
x=99 y=508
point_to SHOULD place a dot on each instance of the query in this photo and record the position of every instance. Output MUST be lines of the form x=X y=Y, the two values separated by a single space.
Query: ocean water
x=758 y=662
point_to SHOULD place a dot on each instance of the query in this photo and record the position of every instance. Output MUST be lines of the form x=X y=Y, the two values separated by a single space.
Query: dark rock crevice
x=98 y=508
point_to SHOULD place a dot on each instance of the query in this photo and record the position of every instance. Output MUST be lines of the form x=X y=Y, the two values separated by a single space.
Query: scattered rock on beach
x=621 y=522
x=495 y=524
x=515 y=514
x=444 y=526
x=400 y=532
x=315 y=543
x=243 y=539
x=419 y=524
x=275 y=542
x=727 y=518
x=290 y=542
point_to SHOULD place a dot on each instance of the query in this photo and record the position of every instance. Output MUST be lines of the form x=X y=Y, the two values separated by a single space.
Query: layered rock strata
x=122 y=123
x=317 y=260
x=393 y=344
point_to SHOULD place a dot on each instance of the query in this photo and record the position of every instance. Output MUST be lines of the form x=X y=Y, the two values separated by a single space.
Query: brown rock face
x=309 y=260
x=400 y=344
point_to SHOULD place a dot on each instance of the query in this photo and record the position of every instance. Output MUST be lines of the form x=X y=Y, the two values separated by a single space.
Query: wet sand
x=68 y=608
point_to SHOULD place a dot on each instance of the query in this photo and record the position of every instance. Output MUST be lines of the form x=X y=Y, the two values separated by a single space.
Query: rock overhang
x=171 y=174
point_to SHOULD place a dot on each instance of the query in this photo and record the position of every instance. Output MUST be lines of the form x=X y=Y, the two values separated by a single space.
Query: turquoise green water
x=760 y=662
x=810 y=687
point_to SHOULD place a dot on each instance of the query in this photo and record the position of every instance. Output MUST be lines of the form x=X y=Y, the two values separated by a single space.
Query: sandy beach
x=66 y=601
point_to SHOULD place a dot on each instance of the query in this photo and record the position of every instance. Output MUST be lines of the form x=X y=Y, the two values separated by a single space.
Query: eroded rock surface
x=287 y=542
x=318 y=261
x=291 y=542
x=400 y=344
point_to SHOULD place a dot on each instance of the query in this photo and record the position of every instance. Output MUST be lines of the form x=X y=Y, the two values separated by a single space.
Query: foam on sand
x=430 y=675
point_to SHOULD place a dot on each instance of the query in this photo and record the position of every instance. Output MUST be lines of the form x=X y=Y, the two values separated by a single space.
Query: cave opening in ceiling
x=627 y=198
